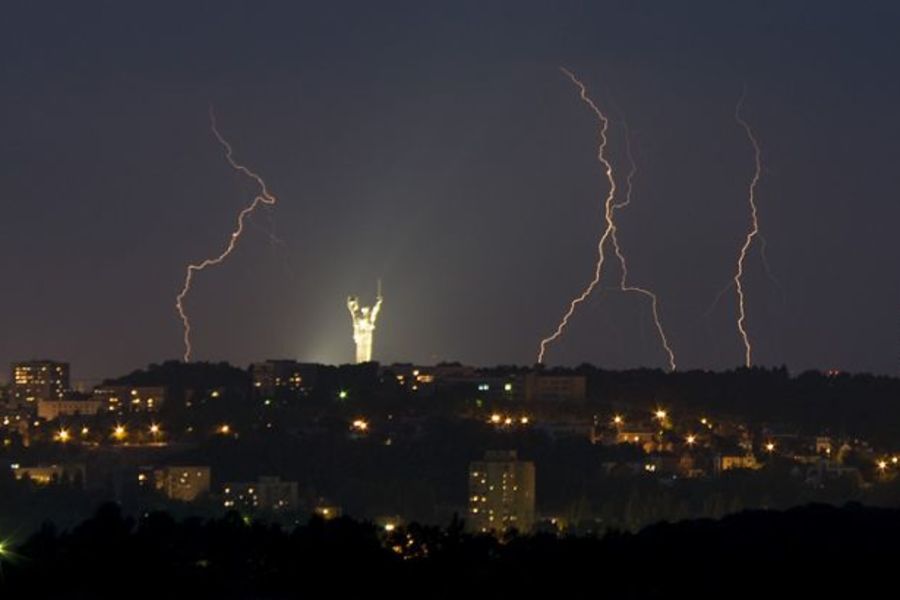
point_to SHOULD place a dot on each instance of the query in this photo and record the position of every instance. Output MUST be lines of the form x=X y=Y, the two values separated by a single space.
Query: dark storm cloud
x=437 y=147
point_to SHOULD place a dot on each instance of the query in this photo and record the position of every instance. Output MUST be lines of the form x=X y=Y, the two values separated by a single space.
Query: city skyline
x=454 y=162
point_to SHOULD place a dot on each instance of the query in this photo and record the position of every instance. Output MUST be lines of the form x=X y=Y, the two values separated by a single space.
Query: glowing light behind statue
x=364 y=318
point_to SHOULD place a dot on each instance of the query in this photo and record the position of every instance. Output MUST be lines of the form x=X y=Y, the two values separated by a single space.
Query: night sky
x=438 y=147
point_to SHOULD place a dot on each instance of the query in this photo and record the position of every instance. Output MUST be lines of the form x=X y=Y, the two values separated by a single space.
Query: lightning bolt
x=623 y=282
x=608 y=210
x=609 y=233
x=263 y=197
x=751 y=233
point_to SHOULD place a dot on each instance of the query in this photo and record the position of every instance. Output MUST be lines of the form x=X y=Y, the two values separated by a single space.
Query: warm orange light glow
x=119 y=432
x=264 y=197
x=770 y=446
x=496 y=418
x=154 y=429
x=63 y=435
x=360 y=425
x=224 y=429
x=691 y=440
x=661 y=414
x=618 y=420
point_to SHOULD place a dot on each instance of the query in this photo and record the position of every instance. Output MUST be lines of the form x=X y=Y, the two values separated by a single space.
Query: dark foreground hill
x=810 y=550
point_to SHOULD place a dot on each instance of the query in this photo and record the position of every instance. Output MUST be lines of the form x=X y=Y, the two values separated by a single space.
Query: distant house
x=728 y=462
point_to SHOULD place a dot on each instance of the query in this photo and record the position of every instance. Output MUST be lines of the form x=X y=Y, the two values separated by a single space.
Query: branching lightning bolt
x=610 y=224
x=609 y=233
x=623 y=282
x=751 y=234
x=263 y=197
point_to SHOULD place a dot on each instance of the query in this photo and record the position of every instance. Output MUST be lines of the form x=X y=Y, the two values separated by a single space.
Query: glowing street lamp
x=691 y=439
x=224 y=429
x=618 y=420
x=661 y=414
x=63 y=435
x=119 y=432
x=770 y=447
x=882 y=465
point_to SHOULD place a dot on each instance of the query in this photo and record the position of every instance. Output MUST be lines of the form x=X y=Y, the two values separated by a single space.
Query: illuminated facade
x=47 y=474
x=267 y=494
x=363 y=326
x=50 y=410
x=501 y=494
x=282 y=378
x=36 y=380
x=185 y=484
x=121 y=399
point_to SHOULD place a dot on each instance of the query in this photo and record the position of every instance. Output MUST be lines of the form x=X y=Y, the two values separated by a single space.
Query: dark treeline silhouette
x=807 y=550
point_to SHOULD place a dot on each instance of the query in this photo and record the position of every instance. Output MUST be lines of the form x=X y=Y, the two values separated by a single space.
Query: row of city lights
x=498 y=419
x=120 y=432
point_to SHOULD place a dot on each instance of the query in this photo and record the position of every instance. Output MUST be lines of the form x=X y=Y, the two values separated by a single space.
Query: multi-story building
x=418 y=380
x=46 y=474
x=501 y=494
x=182 y=483
x=122 y=399
x=267 y=494
x=35 y=380
x=277 y=379
x=555 y=388
x=50 y=410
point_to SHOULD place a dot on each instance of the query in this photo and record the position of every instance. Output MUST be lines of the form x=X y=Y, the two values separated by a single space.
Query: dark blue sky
x=438 y=147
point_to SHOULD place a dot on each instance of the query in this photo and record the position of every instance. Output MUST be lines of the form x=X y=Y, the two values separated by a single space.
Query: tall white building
x=501 y=494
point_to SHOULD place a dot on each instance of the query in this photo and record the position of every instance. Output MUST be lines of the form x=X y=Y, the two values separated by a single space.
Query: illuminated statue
x=364 y=325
